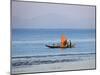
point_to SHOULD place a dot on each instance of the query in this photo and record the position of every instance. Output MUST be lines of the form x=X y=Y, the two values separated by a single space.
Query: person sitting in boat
x=70 y=44
x=64 y=41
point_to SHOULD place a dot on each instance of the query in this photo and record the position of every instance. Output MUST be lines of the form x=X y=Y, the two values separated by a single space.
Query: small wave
x=30 y=42
x=28 y=61
x=83 y=40
x=51 y=41
x=38 y=62
x=40 y=56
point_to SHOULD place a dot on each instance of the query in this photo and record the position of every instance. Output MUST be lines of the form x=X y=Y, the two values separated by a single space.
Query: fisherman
x=70 y=44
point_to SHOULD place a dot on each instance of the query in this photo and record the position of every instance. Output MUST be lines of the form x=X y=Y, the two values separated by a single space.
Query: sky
x=52 y=16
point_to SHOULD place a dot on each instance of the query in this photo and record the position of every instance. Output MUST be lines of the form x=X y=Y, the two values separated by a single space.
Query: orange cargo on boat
x=64 y=41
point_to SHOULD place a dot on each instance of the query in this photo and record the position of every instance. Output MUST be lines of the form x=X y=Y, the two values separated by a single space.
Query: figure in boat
x=65 y=43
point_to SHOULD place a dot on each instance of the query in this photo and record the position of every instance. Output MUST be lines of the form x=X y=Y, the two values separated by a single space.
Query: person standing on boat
x=64 y=41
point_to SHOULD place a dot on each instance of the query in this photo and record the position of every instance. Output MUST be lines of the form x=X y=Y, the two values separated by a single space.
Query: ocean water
x=28 y=46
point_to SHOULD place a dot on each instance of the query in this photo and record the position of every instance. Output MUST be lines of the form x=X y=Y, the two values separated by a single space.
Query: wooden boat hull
x=72 y=46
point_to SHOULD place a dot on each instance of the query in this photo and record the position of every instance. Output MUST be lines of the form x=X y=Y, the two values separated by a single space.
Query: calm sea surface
x=29 y=44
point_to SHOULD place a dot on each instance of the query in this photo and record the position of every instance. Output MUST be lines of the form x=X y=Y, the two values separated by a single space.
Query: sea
x=28 y=46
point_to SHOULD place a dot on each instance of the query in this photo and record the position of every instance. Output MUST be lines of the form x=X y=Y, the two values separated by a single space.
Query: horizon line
x=53 y=28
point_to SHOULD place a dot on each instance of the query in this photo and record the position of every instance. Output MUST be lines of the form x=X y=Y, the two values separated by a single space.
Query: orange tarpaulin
x=64 y=41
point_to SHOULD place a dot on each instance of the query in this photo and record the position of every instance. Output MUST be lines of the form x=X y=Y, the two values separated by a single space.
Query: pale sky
x=56 y=16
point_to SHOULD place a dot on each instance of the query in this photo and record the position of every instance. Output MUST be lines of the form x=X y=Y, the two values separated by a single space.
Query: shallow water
x=28 y=46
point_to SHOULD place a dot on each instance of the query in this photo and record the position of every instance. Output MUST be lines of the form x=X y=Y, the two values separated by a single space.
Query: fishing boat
x=58 y=46
x=65 y=43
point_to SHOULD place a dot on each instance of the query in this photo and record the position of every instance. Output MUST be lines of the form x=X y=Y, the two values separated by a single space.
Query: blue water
x=30 y=43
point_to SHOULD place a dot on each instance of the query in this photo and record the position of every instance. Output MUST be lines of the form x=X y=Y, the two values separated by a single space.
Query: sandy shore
x=84 y=64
